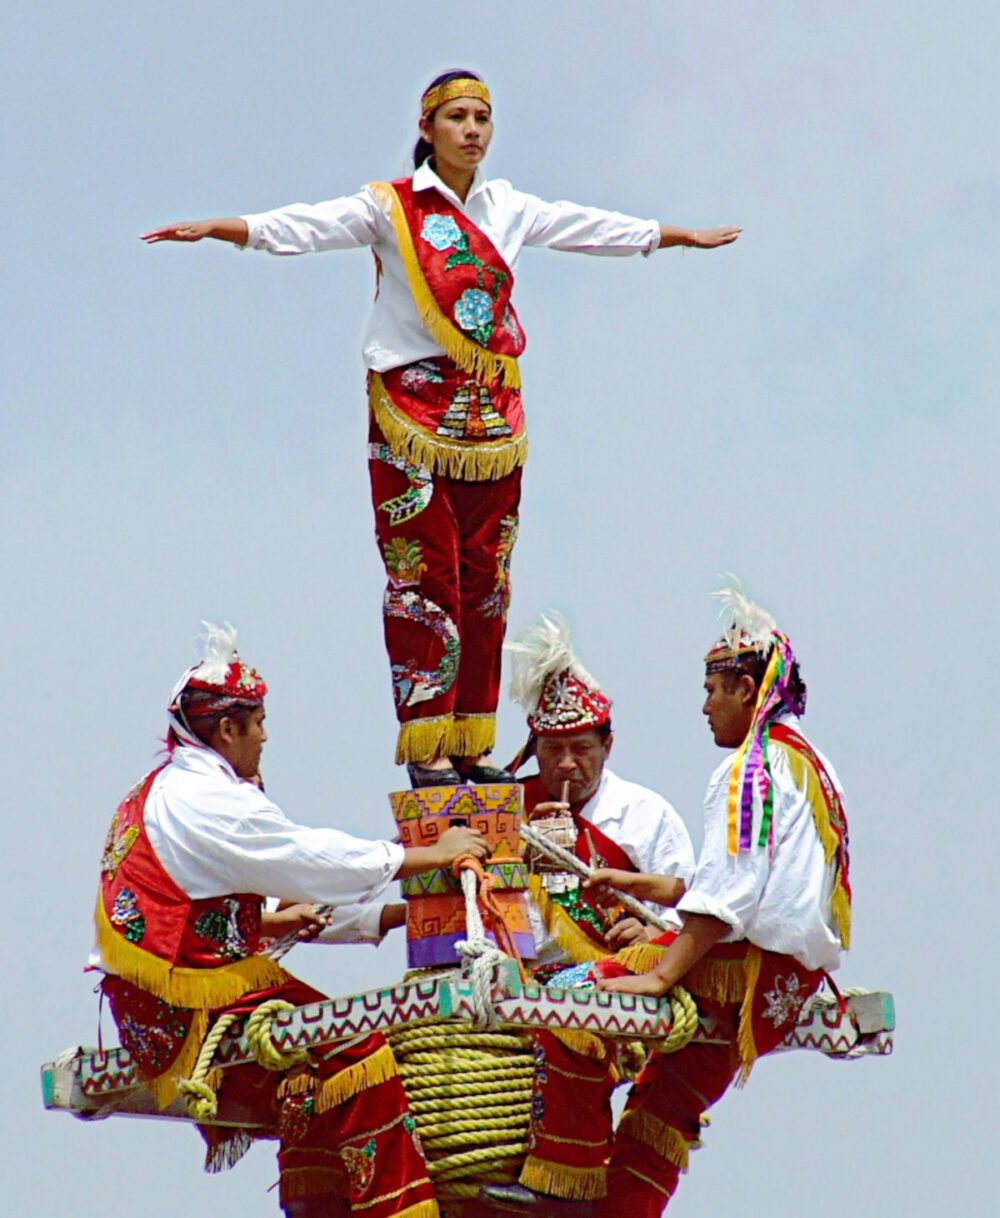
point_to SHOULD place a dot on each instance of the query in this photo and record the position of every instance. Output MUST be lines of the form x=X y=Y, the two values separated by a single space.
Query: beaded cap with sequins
x=551 y=684
x=220 y=672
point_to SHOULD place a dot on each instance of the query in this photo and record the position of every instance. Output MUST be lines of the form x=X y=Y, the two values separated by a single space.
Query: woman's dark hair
x=422 y=149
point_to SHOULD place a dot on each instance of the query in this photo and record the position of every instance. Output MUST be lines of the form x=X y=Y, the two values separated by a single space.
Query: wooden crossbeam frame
x=90 y=1083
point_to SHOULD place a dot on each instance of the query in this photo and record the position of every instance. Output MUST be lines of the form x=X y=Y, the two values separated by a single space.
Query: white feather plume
x=219 y=651
x=744 y=620
x=538 y=652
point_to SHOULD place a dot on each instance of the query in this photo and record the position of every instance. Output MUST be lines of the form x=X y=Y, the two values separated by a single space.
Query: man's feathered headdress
x=551 y=684
x=751 y=631
x=220 y=672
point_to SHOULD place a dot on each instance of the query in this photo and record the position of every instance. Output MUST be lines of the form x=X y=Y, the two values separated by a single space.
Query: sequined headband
x=467 y=86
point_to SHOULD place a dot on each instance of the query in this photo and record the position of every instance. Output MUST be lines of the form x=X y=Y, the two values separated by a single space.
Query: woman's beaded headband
x=467 y=86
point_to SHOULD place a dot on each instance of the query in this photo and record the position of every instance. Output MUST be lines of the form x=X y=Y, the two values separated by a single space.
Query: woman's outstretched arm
x=231 y=229
x=698 y=238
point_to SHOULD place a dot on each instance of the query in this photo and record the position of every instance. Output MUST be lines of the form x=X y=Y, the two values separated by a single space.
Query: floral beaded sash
x=460 y=415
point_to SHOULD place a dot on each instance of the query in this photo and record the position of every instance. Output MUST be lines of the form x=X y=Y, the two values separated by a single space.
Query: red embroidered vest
x=460 y=415
x=199 y=954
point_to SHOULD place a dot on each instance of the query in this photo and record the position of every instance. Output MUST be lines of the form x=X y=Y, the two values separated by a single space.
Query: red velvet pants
x=571 y=1120
x=446 y=544
x=348 y=1144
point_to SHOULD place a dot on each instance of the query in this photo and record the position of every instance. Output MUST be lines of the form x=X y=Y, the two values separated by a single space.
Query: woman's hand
x=301 y=920
x=231 y=229
x=711 y=238
x=186 y=230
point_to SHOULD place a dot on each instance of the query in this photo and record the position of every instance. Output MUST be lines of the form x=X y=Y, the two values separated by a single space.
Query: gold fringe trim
x=164 y=1086
x=668 y=1142
x=202 y=989
x=559 y=1180
x=640 y=957
x=471 y=736
x=584 y=1043
x=301 y=1080
x=721 y=981
x=445 y=736
x=745 y=1040
x=376 y=1068
x=422 y=1209
x=300 y=1183
x=806 y=777
x=470 y=460
x=576 y=943
x=473 y=358
x=423 y=739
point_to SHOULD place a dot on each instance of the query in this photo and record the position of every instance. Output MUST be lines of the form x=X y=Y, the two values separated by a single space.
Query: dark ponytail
x=422 y=149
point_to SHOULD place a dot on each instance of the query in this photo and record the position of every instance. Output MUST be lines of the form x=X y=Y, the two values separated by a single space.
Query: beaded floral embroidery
x=498 y=601
x=404 y=562
x=412 y=685
x=223 y=929
x=785 y=1001
x=126 y=915
x=423 y=372
x=116 y=846
x=359 y=1163
x=541 y=1078
x=154 y=1047
x=474 y=308
x=440 y=231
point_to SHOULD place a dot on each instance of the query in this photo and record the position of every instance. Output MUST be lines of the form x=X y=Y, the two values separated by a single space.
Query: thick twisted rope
x=470 y=1092
x=479 y=956
x=199 y=1095
x=683 y=1021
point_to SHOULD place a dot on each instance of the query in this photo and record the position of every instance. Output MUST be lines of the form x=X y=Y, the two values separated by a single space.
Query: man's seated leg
x=661 y=1121
x=570 y=1121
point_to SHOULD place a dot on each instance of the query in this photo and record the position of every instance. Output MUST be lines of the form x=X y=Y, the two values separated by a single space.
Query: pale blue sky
x=815 y=408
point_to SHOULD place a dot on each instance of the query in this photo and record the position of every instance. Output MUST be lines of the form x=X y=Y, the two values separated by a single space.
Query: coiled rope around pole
x=470 y=1092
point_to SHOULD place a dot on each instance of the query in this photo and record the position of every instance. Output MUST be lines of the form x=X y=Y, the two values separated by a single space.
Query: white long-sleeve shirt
x=215 y=834
x=510 y=218
x=647 y=828
x=779 y=899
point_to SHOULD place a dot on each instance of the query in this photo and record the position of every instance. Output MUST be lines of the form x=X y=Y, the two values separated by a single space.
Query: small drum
x=561 y=831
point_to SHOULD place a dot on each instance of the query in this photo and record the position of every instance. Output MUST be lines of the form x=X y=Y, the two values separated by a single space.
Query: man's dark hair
x=754 y=666
x=422 y=149
x=199 y=710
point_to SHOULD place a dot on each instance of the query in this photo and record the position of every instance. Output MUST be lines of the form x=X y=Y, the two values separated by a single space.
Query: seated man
x=621 y=828
x=191 y=852
x=767 y=913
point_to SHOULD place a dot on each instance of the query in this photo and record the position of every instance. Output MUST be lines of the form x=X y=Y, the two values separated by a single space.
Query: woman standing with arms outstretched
x=446 y=433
